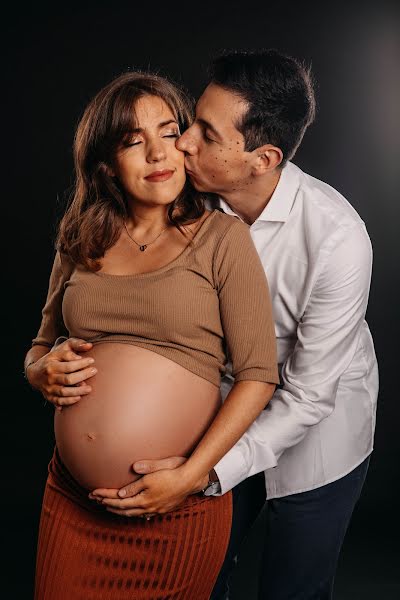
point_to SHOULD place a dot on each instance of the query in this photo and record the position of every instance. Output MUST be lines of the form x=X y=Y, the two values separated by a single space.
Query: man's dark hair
x=279 y=92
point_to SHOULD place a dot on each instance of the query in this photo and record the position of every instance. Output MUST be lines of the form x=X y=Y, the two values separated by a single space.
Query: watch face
x=213 y=488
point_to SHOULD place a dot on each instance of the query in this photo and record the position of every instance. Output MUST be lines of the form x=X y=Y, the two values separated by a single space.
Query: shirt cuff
x=237 y=464
x=231 y=470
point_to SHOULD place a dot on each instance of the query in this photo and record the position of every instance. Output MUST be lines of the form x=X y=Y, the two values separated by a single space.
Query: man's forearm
x=244 y=403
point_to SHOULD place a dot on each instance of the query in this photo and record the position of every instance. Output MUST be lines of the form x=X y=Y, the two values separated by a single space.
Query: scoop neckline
x=169 y=265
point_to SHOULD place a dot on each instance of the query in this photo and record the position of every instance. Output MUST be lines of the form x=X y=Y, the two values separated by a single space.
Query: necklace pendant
x=143 y=247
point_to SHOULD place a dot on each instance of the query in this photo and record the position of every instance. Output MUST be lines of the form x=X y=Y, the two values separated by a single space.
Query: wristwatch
x=213 y=486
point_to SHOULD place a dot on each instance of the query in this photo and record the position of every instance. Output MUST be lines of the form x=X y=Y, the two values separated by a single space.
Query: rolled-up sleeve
x=327 y=338
x=52 y=325
x=245 y=307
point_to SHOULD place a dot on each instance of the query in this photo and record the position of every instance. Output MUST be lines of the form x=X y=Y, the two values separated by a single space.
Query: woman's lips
x=158 y=176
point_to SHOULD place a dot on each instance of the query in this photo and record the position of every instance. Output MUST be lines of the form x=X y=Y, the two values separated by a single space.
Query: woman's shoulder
x=229 y=226
x=66 y=263
x=216 y=226
x=225 y=222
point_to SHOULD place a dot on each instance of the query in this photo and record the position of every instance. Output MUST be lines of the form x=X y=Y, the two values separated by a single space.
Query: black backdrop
x=56 y=58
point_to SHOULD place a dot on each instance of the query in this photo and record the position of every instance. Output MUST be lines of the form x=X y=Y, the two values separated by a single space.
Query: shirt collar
x=281 y=202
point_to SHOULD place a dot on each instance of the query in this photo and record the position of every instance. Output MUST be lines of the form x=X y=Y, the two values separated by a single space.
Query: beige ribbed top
x=208 y=305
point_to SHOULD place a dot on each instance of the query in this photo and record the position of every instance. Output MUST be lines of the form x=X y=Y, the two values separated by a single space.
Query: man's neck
x=248 y=202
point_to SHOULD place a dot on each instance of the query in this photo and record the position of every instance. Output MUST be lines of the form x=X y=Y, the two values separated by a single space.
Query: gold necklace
x=142 y=247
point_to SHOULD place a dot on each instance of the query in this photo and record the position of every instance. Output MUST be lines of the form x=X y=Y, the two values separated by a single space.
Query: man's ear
x=267 y=158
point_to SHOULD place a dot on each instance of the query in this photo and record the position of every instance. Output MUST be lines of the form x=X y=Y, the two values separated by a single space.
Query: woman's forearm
x=243 y=404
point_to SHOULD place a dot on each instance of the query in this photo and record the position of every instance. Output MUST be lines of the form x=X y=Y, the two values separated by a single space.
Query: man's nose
x=186 y=143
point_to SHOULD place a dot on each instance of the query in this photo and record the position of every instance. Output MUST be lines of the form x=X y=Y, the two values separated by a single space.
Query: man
x=314 y=439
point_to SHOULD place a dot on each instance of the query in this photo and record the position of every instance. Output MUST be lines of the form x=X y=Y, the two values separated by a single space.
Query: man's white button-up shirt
x=320 y=422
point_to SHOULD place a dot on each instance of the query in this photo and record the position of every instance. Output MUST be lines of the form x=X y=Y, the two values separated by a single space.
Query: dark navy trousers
x=302 y=540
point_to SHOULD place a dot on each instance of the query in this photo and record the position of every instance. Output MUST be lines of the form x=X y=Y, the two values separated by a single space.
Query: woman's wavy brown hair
x=97 y=210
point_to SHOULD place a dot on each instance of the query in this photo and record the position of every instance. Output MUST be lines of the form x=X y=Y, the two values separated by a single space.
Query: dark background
x=56 y=58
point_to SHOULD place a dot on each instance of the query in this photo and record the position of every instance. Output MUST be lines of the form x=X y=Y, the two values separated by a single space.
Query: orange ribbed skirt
x=87 y=553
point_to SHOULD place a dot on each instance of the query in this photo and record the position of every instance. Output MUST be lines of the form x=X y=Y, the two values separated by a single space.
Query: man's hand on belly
x=160 y=490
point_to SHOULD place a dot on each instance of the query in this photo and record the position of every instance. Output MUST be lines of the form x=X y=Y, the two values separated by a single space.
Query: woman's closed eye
x=135 y=142
x=171 y=134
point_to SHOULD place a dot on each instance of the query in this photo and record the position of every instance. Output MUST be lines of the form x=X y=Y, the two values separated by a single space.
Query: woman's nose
x=156 y=153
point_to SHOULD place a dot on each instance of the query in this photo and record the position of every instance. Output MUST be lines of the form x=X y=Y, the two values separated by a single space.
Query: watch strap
x=213 y=486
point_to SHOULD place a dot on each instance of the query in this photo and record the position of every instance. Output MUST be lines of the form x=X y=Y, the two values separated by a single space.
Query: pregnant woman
x=164 y=291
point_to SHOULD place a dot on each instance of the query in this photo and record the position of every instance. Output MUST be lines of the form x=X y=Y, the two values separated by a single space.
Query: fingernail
x=91 y=360
x=122 y=493
x=138 y=465
x=94 y=370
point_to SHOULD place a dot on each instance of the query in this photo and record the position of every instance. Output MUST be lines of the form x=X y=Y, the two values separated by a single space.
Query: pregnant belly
x=142 y=405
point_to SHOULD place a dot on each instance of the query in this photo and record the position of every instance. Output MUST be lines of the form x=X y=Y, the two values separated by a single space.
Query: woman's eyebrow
x=160 y=126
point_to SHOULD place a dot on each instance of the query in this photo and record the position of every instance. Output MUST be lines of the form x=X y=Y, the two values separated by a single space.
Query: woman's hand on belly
x=61 y=374
x=158 y=492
